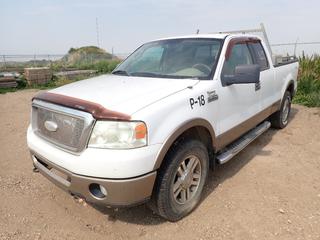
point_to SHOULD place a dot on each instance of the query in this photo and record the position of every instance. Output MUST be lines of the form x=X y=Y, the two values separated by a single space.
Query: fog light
x=98 y=190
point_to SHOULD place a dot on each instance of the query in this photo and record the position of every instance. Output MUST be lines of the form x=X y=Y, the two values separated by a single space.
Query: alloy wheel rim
x=285 y=111
x=187 y=180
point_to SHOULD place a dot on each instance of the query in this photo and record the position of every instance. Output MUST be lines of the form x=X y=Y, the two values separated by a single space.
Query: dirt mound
x=85 y=55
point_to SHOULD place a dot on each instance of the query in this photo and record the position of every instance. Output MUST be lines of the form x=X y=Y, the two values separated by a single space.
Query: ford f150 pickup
x=152 y=129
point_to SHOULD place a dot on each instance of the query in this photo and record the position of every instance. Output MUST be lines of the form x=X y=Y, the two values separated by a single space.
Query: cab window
x=240 y=55
x=260 y=55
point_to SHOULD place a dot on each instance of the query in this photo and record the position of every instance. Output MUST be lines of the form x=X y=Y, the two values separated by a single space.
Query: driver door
x=238 y=103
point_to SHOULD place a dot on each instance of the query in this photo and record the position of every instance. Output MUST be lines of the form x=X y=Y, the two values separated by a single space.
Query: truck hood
x=124 y=94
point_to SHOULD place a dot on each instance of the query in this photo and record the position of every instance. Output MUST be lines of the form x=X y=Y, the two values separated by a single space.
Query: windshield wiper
x=145 y=74
x=121 y=72
x=151 y=74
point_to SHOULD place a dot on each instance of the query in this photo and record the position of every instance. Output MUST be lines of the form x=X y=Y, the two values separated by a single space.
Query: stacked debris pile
x=8 y=80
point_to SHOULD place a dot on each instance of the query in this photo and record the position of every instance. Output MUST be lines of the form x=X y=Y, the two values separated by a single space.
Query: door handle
x=257 y=86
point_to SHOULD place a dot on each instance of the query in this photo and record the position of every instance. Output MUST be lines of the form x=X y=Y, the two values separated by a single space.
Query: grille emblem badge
x=51 y=126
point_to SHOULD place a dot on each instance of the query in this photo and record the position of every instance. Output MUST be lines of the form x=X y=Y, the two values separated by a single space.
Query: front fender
x=197 y=122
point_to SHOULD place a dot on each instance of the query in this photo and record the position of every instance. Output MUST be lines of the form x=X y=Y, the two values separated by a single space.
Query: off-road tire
x=163 y=200
x=280 y=118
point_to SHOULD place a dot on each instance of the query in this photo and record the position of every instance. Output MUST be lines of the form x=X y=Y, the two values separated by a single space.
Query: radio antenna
x=97 y=29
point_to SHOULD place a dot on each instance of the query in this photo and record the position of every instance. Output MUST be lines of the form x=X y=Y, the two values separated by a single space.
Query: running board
x=235 y=147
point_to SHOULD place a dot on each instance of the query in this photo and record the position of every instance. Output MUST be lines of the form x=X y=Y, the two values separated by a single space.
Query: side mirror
x=244 y=74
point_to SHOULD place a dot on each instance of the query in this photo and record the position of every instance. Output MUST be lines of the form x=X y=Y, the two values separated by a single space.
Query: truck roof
x=208 y=35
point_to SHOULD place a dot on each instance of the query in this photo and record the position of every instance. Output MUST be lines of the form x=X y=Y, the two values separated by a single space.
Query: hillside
x=85 y=55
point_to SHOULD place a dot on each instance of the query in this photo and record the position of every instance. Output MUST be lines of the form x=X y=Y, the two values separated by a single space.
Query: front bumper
x=99 y=163
x=122 y=192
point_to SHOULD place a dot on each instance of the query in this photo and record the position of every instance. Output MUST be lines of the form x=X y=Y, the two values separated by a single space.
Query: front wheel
x=181 y=180
x=280 y=118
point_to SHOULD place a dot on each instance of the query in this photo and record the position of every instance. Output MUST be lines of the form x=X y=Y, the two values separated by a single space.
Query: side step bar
x=235 y=147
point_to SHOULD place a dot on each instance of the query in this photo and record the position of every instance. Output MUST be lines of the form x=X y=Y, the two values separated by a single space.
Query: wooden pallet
x=38 y=75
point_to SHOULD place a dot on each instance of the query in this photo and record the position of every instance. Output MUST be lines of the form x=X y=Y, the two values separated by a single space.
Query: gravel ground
x=271 y=190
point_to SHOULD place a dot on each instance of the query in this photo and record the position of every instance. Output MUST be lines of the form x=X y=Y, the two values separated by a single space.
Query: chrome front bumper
x=120 y=192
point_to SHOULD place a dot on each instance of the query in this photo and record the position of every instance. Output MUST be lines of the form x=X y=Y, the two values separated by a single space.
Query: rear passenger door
x=266 y=85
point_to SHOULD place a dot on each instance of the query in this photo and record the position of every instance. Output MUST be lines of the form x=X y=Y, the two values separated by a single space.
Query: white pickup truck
x=153 y=128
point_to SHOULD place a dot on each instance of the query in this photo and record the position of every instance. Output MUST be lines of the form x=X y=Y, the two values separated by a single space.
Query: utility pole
x=97 y=29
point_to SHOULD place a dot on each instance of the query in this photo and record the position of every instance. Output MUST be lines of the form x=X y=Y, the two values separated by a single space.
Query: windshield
x=173 y=58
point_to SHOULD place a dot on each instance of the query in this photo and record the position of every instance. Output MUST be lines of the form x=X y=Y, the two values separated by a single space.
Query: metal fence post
x=4 y=62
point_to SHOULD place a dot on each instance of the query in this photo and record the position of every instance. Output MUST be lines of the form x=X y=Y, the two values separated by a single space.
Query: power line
x=296 y=43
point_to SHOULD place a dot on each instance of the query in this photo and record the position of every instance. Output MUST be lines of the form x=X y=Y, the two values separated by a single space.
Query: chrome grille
x=70 y=129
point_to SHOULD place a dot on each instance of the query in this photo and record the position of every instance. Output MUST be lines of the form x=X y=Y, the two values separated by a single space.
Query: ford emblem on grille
x=51 y=126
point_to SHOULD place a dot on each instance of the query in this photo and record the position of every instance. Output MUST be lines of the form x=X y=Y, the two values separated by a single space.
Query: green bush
x=105 y=66
x=22 y=83
x=308 y=92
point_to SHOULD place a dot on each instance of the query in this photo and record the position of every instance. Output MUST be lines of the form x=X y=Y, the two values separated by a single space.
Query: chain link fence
x=17 y=62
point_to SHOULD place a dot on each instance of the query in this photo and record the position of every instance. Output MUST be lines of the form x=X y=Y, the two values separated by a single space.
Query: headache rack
x=277 y=60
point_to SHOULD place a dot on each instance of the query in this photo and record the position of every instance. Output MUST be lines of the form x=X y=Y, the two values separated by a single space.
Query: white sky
x=53 y=26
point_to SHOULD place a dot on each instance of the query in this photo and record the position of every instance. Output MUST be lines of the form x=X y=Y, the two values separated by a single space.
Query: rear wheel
x=181 y=180
x=280 y=118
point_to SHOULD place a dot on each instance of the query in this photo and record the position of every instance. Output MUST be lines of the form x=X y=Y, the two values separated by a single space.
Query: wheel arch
x=201 y=127
x=290 y=88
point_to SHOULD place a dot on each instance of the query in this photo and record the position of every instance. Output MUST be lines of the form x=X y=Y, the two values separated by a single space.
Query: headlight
x=118 y=135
